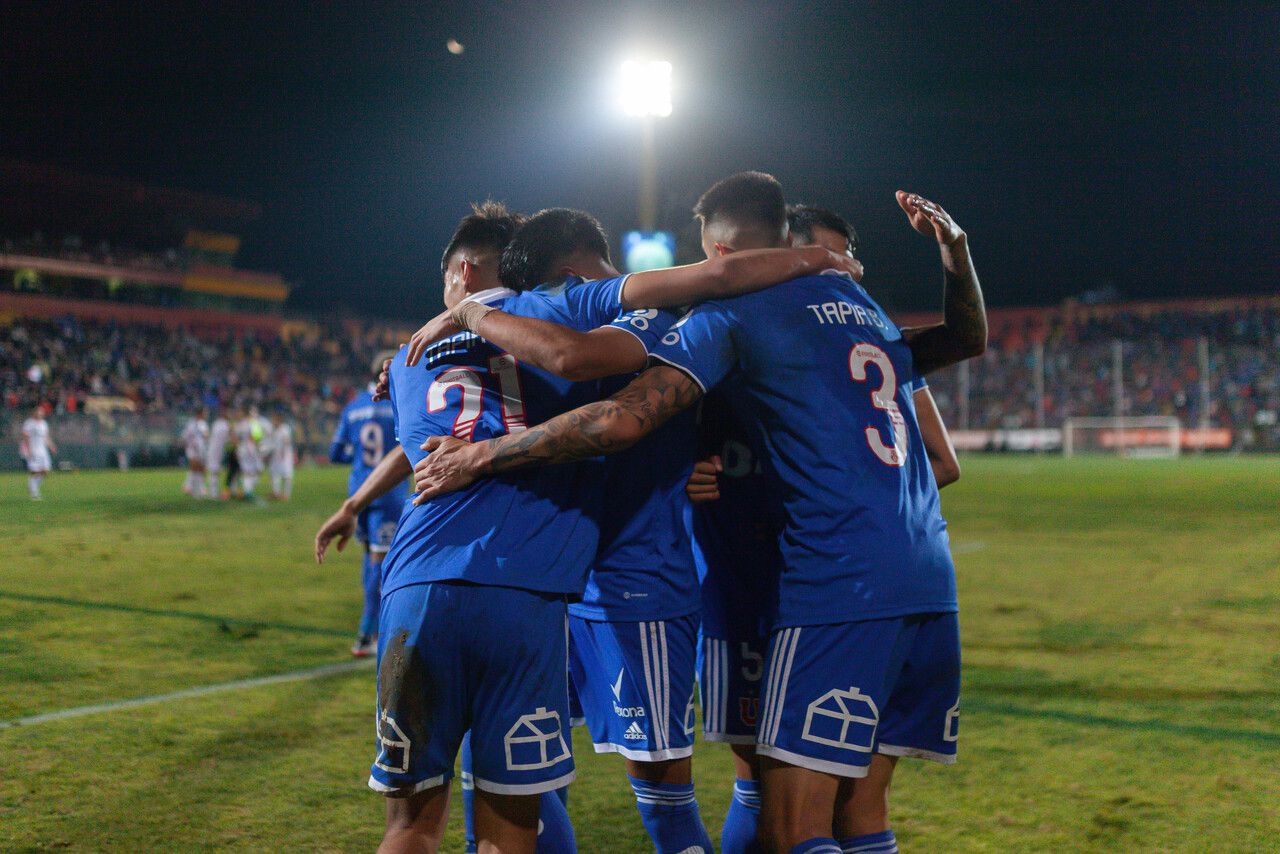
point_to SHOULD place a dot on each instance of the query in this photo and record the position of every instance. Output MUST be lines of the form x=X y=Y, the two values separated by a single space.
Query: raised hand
x=440 y=326
x=929 y=218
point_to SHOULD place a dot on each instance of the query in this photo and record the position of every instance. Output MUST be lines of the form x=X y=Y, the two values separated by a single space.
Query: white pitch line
x=968 y=547
x=117 y=705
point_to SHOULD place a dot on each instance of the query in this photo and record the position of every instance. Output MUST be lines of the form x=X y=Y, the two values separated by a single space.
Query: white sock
x=248 y=481
x=33 y=485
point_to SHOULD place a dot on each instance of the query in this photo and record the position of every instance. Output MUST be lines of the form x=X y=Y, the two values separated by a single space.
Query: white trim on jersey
x=524 y=788
x=784 y=653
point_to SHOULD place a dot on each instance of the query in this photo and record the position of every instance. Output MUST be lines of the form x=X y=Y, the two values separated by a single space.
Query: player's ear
x=466 y=272
x=722 y=249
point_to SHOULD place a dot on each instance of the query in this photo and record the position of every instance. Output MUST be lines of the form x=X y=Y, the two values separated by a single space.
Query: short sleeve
x=701 y=345
x=917 y=382
x=647 y=324
x=593 y=304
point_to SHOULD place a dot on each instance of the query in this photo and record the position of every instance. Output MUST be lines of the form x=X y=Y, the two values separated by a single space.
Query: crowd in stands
x=75 y=248
x=310 y=370
x=1161 y=360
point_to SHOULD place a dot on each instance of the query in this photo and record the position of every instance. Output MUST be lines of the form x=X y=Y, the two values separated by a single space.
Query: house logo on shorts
x=535 y=741
x=393 y=757
x=634 y=733
x=843 y=719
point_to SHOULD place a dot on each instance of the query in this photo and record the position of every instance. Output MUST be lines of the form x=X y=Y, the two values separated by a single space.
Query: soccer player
x=281 y=443
x=470 y=266
x=518 y=546
x=633 y=651
x=219 y=435
x=249 y=433
x=866 y=562
x=195 y=441
x=35 y=449
x=737 y=519
x=365 y=435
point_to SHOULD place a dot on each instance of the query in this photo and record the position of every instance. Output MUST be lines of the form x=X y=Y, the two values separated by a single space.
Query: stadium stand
x=1209 y=363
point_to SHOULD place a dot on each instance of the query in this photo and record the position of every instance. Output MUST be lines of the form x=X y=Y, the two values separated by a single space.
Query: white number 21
x=882 y=398
x=471 y=392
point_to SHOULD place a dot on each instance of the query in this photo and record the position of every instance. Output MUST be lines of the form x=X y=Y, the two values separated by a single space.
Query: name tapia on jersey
x=824 y=379
x=525 y=530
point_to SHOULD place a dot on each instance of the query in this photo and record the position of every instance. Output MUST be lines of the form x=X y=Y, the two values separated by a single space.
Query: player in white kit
x=36 y=447
x=195 y=440
x=249 y=433
x=281 y=458
x=219 y=434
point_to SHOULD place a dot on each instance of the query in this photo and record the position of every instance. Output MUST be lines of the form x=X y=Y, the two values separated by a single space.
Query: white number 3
x=882 y=398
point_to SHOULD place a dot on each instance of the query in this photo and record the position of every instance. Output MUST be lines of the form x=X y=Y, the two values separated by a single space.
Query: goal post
x=1129 y=436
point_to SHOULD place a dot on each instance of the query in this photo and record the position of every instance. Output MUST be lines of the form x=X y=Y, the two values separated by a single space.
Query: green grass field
x=1121 y=626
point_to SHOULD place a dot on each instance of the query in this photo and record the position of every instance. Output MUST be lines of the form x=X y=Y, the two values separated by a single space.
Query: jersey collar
x=491 y=295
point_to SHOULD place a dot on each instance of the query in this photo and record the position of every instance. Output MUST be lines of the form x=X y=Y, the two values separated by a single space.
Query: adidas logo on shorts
x=634 y=733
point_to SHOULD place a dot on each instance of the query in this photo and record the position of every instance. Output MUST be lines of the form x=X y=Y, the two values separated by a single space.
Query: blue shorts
x=376 y=526
x=730 y=675
x=453 y=657
x=635 y=683
x=835 y=694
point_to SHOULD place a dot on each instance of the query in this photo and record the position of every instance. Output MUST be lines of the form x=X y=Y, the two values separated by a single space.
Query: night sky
x=1081 y=146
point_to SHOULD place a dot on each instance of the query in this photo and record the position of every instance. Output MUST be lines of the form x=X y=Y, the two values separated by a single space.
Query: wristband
x=469 y=313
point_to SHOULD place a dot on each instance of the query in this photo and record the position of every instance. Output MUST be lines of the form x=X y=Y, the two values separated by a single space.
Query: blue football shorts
x=454 y=657
x=635 y=683
x=730 y=675
x=836 y=694
x=376 y=527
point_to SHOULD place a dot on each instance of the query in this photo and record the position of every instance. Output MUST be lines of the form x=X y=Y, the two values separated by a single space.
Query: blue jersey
x=365 y=434
x=644 y=568
x=735 y=538
x=827 y=381
x=525 y=529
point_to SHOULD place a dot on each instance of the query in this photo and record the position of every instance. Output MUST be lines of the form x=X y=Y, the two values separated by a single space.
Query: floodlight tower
x=646 y=92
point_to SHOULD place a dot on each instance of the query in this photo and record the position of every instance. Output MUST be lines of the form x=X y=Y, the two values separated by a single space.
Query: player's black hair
x=489 y=226
x=544 y=241
x=802 y=218
x=746 y=200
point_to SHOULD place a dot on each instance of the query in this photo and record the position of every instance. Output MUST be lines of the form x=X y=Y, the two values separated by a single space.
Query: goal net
x=1130 y=436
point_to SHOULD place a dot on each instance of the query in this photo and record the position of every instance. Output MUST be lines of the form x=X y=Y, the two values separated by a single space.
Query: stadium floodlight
x=645 y=88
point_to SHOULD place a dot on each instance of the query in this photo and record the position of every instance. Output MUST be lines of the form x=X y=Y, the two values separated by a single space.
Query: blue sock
x=817 y=845
x=555 y=831
x=870 y=843
x=739 y=833
x=670 y=815
x=371 y=578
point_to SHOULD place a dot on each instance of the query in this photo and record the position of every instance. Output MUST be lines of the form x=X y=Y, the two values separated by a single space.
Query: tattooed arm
x=963 y=331
x=605 y=427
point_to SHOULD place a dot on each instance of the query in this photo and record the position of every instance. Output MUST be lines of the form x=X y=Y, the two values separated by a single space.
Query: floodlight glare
x=645 y=88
